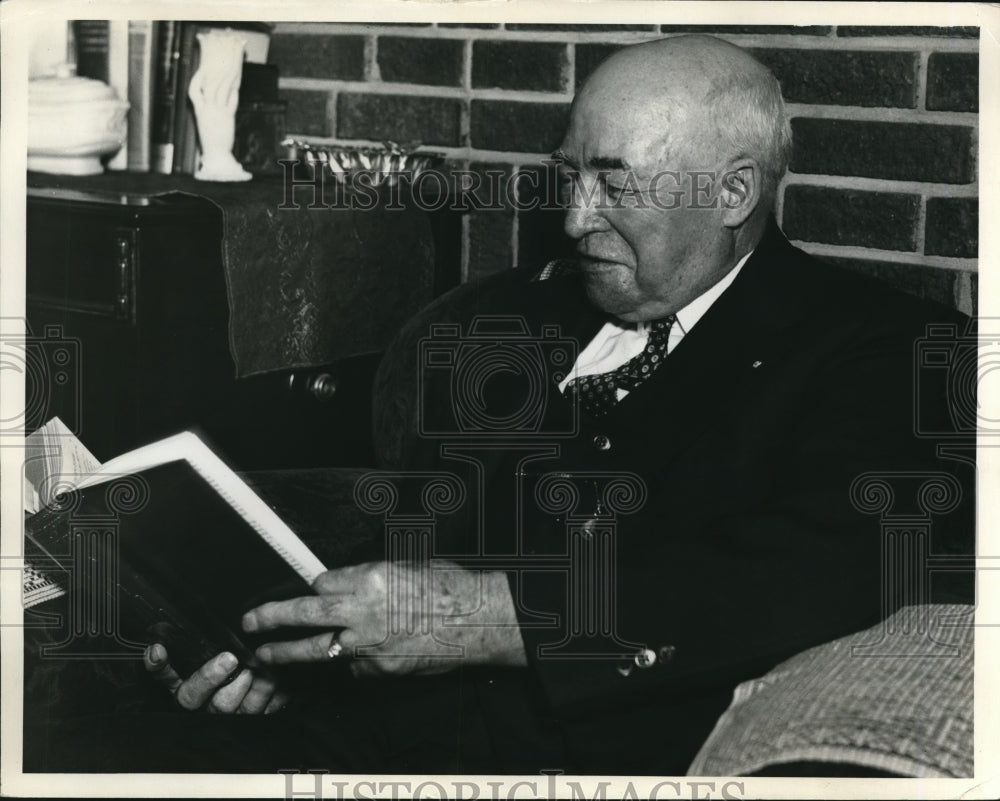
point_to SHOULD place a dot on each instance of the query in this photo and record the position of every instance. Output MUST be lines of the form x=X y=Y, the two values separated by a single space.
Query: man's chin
x=605 y=290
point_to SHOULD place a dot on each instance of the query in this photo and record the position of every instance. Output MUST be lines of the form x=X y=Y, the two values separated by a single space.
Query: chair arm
x=896 y=698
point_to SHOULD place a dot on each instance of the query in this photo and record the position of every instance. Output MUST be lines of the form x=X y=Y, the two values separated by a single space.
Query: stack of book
x=150 y=64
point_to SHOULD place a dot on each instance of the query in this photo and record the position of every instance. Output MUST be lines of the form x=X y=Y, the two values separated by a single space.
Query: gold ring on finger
x=335 y=648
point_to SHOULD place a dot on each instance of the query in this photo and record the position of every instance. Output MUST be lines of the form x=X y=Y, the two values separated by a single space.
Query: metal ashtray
x=384 y=164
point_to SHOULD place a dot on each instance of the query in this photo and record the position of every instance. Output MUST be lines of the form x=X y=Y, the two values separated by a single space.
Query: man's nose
x=584 y=212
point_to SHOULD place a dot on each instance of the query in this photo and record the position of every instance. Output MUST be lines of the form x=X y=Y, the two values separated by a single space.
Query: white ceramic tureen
x=72 y=122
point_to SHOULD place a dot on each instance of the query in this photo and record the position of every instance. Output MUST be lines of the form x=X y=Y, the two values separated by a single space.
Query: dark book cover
x=140 y=93
x=178 y=563
x=92 y=38
x=167 y=58
x=185 y=130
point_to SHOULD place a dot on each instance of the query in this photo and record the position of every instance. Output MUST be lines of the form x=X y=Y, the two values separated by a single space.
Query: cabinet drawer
x=84 y=261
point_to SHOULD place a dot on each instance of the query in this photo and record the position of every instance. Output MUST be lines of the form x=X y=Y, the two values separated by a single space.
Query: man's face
x=643 y=257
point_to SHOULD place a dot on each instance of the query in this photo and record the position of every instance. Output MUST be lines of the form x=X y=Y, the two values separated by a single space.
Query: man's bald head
x=704 y=100
x=674 y=150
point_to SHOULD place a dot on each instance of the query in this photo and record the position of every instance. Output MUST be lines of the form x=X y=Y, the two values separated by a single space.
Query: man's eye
x=566 y=183
x=614 y=191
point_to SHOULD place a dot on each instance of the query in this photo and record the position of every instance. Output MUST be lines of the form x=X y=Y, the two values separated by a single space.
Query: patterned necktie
x=597 y=392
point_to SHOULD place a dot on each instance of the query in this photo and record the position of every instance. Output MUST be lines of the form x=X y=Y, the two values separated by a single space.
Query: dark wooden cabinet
x=134 y=290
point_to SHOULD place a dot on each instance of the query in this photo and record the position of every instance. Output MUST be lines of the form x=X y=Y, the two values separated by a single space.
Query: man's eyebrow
x=596 y=162
x=560 y=155
x=608 y=163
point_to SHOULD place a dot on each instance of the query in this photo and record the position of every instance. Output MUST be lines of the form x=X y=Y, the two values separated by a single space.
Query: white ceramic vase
x=214 y=93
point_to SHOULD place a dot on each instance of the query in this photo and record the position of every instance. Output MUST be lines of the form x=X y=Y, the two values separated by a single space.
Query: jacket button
x=667 y=653
x=645 y=658
x=602 y=443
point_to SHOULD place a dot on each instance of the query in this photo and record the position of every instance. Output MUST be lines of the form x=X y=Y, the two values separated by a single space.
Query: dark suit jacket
x=748 y=547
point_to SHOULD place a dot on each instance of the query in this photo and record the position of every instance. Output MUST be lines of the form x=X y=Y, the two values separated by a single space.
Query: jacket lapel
x=739 y=337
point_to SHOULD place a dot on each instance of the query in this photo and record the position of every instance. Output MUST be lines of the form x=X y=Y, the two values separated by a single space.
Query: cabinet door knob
x=125 y=254
x=322 y=386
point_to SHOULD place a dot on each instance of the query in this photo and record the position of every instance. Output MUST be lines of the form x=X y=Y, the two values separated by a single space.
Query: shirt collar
x=695 y=310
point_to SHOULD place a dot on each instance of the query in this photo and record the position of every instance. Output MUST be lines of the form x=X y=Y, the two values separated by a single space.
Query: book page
x=53 y=458
x=171 y=449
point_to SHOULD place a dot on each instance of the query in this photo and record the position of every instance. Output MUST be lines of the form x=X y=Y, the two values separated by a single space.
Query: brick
x=437 y=62
x=588 y=57
x=953 y=82
x=493 y=188
x=308 y=112
x=801 y=30
x=401 y=118
x=532 y=66
x=952 y=227
x=318 y=56
x=580 y=28
x=850 y=217
x=516 y=126
x=501 y=186
x=490 y=242
x=953 y=32
x=891 y=150
x=930 y=283
x=538 y=183
x=844 y=78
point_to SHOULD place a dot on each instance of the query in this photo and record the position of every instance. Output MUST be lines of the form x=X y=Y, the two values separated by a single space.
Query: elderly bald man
x=739 y=385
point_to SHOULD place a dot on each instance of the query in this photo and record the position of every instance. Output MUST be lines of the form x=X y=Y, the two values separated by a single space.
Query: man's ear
x=742 y=185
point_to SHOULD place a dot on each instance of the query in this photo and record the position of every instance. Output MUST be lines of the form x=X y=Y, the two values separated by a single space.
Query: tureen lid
x=72 y=89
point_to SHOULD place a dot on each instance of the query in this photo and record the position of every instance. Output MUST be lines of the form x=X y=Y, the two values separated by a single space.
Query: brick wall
x=883 y=179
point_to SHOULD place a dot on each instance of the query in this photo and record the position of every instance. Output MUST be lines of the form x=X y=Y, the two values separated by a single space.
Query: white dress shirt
x=617 y=343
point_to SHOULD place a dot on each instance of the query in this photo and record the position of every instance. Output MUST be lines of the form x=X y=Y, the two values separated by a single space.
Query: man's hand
x=441 y=618
x=207 y=687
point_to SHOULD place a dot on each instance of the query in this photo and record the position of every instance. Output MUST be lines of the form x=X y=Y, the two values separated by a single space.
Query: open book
x=165 y=541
